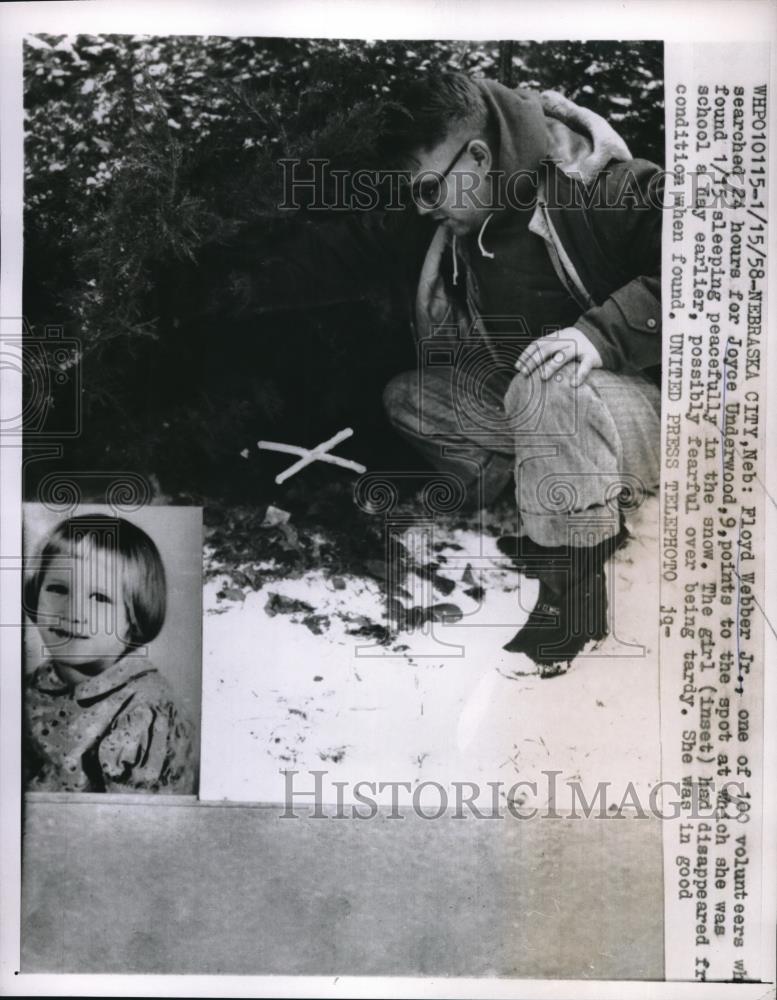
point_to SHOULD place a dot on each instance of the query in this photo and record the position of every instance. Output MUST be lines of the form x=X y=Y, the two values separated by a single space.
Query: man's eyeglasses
x=428 y=192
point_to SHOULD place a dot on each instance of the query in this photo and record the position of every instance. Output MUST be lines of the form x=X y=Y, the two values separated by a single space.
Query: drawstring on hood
x=483 y=251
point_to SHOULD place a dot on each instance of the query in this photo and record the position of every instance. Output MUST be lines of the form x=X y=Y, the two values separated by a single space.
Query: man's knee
x=537 y=406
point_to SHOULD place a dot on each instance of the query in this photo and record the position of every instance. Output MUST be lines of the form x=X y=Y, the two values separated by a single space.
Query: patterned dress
x=119 y=731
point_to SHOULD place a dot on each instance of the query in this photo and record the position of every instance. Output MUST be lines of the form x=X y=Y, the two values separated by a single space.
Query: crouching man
x=538 y=317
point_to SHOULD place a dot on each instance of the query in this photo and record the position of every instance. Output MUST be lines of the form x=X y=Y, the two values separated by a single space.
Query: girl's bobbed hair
x=139 y=568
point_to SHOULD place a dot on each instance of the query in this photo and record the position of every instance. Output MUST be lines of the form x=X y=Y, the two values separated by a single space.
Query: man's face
x=451 y=182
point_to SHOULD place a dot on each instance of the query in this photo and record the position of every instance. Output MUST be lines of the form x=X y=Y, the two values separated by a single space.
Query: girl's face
x=81 y=614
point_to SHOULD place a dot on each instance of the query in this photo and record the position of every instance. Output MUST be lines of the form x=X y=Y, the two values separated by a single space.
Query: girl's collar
x=125 y=669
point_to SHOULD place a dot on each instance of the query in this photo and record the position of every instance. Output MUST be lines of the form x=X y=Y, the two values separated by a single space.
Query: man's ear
x=481 y=151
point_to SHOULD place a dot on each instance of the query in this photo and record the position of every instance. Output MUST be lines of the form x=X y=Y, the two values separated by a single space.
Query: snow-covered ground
x=297 y=690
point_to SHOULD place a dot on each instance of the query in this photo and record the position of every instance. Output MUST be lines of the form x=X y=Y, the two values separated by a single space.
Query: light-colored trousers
x=578 y=455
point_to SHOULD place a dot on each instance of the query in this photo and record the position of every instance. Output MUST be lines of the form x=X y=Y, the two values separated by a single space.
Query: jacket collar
x=582 y=143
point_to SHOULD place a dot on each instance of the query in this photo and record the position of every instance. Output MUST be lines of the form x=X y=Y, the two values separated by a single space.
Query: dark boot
x=571 y=608
x=536 y=561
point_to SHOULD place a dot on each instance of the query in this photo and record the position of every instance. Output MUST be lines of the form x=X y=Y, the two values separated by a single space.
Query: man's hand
x=549 y=354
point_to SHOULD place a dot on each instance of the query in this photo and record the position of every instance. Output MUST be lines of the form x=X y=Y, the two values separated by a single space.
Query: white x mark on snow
x=318 y=454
